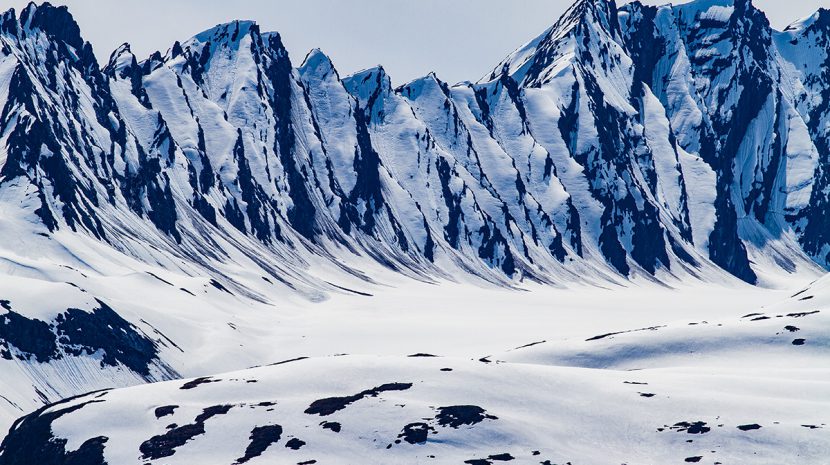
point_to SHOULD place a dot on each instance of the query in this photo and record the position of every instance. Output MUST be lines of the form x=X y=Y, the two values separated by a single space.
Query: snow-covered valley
x=198 y=329
x=702 y=374
x=621 y=373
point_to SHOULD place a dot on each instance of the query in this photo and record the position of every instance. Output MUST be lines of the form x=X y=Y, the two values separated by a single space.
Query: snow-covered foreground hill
x=657 y=386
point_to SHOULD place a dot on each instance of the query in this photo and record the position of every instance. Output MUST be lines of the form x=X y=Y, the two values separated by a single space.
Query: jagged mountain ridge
x=594 y=151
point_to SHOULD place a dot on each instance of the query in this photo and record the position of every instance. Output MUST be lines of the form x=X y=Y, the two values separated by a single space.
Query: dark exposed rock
x=489 y=460
x=198 y=382
x=294 y=444
x=165 y=445
x=802 y=314
x=31 y=441
x=33 y=338
x=697 y=427
x=165 y=411
x=605 y=336
x=76 y=333
x=262 y=437
x=104 y=330
x=331 y=425
x=325 y=407
x=459 y=415
x=416 y=433
x=751 y=427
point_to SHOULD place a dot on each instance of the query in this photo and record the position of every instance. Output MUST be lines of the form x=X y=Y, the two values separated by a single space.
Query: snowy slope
x=703 y=391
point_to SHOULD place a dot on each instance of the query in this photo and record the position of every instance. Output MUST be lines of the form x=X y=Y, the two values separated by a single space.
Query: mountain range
x=621 y=142
x=148 y=202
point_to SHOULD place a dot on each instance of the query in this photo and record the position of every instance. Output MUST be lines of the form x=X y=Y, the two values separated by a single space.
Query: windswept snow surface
x=664 y=377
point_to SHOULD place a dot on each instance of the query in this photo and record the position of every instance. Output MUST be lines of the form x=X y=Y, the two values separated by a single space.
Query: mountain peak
x=429 y=84
x=317 y=63
x=431 y=79
x=56 y=22
x=585 y=22
x=823 y=18
x=227 y=35
x=603 y=12
x=231 y=31
x=122 y=58
x=364 y=84
x=273 y=40
x=8 y=21
x=370 y=87
x=820 y=20
x=222 y=44
x=316 y=54
x=717 y=10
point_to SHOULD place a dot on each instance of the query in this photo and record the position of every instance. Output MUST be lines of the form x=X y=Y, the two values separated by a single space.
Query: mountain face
x=622 y=142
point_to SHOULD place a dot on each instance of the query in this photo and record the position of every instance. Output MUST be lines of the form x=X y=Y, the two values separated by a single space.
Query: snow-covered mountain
x=619 y=143
x=192 y=212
